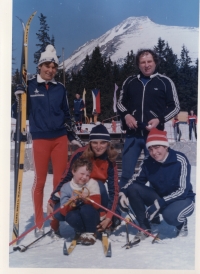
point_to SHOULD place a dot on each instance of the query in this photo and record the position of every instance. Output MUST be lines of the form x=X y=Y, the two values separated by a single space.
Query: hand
x=130 y=121
x=19 y=90
x=104 y=224
x=49 y=210
x=123 y=202
x=152 y=124
x=153 y=209
x=75 y=142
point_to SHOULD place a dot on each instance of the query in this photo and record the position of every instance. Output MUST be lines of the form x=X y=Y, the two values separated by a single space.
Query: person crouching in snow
x=81 y=214
x=170 y=192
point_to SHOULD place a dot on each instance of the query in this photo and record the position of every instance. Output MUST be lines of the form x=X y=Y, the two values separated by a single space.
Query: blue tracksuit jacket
x=171 y=179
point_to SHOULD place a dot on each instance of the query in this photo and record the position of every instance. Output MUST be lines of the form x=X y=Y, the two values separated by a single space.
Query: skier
x=147 y=101
x=192 y=122
x=177 y=131
x=102 y=154
x=81 y=214
x=78 y=111
x=48 y=114
x=170 y=191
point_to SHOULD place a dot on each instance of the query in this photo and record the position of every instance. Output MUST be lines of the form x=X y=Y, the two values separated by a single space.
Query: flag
x=83 y=97
x=96 y=100
x=115 y=99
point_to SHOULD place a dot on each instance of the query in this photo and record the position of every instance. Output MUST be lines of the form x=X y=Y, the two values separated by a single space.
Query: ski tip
x=65 y=252
x=156 y=239
x=109 y=251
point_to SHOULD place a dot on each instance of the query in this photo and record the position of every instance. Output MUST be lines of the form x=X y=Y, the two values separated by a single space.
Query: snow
x=135 y=33
x=171 y=253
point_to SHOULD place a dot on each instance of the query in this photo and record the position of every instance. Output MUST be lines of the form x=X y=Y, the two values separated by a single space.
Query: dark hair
x=80 y=162
x=142 y=52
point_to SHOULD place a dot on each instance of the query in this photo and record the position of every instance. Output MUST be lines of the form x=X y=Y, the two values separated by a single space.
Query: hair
x=142 y=52
x=47 y=63
x=111 y=152
x=80 y=162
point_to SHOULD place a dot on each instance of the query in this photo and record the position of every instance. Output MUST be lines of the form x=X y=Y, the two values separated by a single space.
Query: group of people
x=192 y=123
x=146 y=102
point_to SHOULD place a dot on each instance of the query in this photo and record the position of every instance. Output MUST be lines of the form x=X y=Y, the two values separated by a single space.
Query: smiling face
x=158 y=153
x=147 y=64
x=99 y=147
x=48 y=70
x=81 y=176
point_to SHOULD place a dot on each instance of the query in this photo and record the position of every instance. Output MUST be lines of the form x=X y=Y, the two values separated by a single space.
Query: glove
x=153 y=209
x=19 y=90
x=123 y=202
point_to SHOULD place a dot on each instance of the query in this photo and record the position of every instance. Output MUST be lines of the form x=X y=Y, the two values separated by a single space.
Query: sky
x=73 y=23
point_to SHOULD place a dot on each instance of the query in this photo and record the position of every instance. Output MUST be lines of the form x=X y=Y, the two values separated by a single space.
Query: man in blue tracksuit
x=170 y=191
x=78 y=111
x=147 y=101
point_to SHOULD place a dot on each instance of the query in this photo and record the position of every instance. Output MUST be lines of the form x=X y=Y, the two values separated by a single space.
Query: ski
x=106 y=245
x=21 y=129
x=68 y=250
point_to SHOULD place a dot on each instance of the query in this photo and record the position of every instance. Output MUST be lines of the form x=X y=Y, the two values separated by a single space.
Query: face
x=81 y=176
x=158 y=153
x=191 y=112
x=146 y=64
x=77 y=96
x=99 y=147
x=48 y=71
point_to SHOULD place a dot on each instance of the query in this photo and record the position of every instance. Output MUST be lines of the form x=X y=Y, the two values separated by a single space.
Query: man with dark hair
x=147 y=101
x=78 y=111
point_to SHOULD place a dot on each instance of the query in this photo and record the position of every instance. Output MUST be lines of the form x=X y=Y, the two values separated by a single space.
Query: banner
x=115 y=99
x=83 y=97
x=96 y=100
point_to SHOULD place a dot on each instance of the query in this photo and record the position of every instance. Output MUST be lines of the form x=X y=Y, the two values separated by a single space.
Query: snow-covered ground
x=171 y=253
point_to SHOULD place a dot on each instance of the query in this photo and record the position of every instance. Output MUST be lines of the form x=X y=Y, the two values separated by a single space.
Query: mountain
x=135 y=33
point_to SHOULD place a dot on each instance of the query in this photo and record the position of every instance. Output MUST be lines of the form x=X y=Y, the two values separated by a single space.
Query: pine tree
x=129 y=67
x=15 y=81
x=43 y=38
x=185 y=80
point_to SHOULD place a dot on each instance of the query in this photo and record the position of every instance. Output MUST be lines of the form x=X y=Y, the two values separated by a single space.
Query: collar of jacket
x=40 y=80
x=170 y=159
x=104 y=156
x=141 y=75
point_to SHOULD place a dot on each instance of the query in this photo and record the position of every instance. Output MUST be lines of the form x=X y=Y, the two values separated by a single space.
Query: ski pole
x=45 y=219
x=120 y=217
x=24 y=248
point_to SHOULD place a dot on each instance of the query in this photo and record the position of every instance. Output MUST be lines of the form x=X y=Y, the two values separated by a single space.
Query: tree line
x=98 y=71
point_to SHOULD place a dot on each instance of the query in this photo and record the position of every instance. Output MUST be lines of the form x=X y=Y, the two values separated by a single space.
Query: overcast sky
x=74 y=22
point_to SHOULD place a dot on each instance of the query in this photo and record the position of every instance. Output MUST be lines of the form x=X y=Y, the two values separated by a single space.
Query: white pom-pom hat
x=49 y=55
x=157 y=137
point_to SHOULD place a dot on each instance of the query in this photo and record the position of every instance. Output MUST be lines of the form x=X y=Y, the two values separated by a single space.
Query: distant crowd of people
x=146 y=102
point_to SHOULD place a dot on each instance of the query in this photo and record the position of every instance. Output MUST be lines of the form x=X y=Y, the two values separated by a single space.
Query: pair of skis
x=105 y=243
x=20 y=135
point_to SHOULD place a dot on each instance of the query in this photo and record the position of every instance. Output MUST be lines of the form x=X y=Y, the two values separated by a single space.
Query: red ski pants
x=55 y=149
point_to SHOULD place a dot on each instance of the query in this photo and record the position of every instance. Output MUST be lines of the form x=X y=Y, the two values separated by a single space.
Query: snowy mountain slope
x=135 y=33
x=172 y=253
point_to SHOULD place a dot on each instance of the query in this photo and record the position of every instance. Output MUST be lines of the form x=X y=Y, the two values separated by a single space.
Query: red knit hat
x=157 y=137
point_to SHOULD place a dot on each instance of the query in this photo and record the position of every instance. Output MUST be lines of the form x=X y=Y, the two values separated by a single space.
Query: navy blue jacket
x=171 y=179
x=157 y=99
x=48 y=110
x=78 y=106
